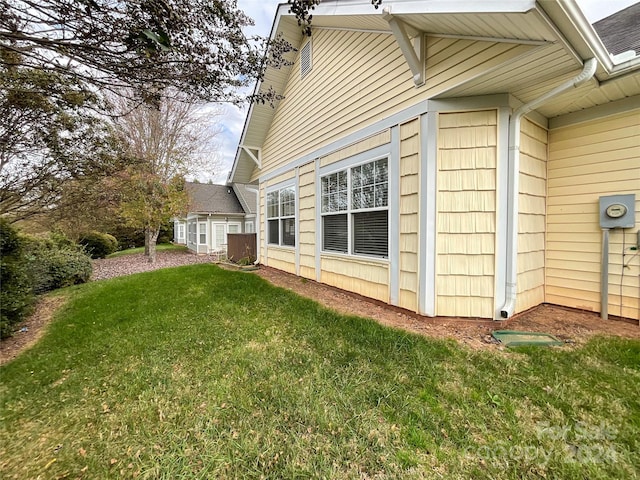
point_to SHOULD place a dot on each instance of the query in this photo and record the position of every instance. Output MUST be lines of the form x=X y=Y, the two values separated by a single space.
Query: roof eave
x=280 y=12
x=569 y=18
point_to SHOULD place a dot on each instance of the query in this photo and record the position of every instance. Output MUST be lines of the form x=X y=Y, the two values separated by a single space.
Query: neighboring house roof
x=248 y=197
x=557 y=34
x=209 y=198
x=620 y=32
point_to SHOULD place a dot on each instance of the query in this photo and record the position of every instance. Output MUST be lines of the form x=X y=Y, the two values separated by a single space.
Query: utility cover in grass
x=513 y=338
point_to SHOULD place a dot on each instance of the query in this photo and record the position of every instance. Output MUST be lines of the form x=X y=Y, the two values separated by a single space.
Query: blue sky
x=263 y=12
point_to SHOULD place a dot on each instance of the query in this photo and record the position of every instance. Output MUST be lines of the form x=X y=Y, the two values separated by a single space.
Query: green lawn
x=163 y=247
x=198 y=372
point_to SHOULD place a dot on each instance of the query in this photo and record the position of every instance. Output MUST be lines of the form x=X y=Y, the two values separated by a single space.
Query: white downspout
x=588 y=70
x=256 y=225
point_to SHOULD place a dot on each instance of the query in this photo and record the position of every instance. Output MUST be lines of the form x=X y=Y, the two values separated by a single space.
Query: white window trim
x=279 y=188
x=192 y=232
x=350 y=211
x=200 y=231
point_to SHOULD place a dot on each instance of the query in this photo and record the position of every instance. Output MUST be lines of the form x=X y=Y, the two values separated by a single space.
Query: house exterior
x=449 y=158
x=214 y=212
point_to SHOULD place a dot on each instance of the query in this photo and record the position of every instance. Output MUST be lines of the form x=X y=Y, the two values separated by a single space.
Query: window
x=281 y=220
x=192 y=232
x=355 y=216
x=220 y=235
x=248 y=227
x=180 y=231
x=202 y=233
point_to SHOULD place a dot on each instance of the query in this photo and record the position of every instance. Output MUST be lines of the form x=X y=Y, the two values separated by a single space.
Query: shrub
x=16 y=294
x=99 y=245
x=50 y=266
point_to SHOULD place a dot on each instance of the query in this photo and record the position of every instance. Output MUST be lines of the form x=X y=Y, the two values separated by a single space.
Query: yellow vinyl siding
x=373 y=141
x=586 y=161
x=531 y=220
x=358 y=78
x=367 y=278
x=282 y=259
x=466 y=196
x=307 y=220
x=409 y=213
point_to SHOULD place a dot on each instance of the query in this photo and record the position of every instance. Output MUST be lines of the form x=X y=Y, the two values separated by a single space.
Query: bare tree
x=165 y=145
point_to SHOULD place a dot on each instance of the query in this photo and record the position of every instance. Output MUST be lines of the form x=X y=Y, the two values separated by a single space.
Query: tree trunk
x=150 y=239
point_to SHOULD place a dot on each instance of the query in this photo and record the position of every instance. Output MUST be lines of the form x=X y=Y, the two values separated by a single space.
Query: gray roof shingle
x=247 y=196
x=621 y=31
x=209 y=198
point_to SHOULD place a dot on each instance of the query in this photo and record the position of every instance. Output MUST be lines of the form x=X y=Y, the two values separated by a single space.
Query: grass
x=198 y=373
x=163 y=247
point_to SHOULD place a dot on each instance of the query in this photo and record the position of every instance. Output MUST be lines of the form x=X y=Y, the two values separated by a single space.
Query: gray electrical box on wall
x=618 y=211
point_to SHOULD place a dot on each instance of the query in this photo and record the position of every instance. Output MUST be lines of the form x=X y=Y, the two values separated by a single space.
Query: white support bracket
x=255 y=153
x=413 y=51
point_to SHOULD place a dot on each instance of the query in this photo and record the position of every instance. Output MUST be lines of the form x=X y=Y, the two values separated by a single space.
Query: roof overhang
x=554 y=28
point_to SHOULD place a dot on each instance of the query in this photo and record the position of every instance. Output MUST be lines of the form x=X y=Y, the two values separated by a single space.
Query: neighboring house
x=449 y=157
x=214 y=212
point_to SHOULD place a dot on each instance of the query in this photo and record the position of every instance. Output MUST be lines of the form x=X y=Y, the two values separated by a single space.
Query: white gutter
x=590 y=36
x=588 y=70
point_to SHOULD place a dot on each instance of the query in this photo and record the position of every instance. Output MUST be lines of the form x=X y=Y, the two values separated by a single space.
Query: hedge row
x=30 y=266
x=99 y=245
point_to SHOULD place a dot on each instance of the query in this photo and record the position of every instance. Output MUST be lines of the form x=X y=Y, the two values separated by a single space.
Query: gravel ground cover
x=129 y=264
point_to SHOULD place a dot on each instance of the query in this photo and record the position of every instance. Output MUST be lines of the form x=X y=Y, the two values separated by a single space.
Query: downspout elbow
x=588 y=71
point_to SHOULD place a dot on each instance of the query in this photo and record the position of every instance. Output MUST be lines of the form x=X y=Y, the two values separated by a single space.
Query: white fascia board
x=586 y=32
x=407 y=7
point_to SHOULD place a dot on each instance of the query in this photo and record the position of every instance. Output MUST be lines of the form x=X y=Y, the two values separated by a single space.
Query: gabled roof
x=248 y=197
x=560 y=36
x=620 y=32
x=210 y=198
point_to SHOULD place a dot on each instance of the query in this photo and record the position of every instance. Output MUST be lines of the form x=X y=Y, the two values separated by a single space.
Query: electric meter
x=616 y=210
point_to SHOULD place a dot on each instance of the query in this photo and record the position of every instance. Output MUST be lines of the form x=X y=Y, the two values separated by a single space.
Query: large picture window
x=281 y=217
x=355 y=215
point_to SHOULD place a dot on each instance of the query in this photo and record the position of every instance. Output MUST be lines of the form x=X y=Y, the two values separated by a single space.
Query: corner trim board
x=428 y=219
x=394 y=217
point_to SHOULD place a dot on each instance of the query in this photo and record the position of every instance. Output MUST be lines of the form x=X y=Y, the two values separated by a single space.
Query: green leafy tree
x=141 y=46
x=149 y=201
x=48 y=137
x=302 y=9
x=165 y=144
x=58 y=58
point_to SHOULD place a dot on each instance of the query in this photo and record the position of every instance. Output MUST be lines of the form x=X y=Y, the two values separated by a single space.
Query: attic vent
x=305 y=59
